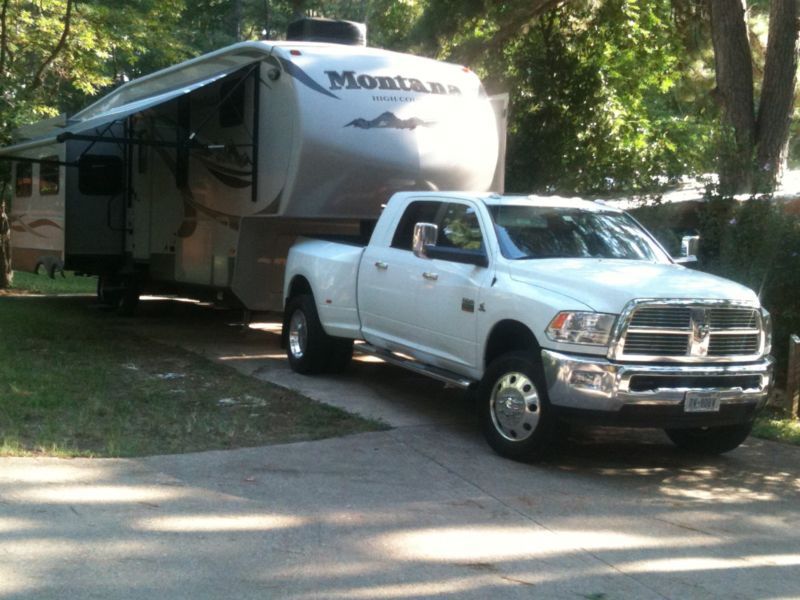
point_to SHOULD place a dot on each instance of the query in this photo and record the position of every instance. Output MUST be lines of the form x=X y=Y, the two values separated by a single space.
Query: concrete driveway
x=423 y=510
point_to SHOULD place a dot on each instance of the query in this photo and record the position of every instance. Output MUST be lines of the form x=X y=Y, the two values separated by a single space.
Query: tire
x=310 y=350
x=119 y=293
x=109 y=290
x=710 y=440
x=128 y=299
x=514 y=411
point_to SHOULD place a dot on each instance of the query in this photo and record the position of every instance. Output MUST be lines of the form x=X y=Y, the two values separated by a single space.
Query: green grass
x=772 y=425
x=71 y=384
x=42 y=284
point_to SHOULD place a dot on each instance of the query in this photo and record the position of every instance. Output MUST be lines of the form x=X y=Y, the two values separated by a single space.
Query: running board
x=415 y=366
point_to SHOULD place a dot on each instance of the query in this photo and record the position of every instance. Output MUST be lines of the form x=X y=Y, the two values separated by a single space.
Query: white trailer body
x=226 y=158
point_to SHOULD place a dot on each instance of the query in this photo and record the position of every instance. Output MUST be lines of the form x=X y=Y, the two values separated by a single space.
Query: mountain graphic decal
x=388 y=120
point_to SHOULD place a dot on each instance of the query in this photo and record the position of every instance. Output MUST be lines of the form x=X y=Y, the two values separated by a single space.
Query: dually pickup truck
x=549 y=308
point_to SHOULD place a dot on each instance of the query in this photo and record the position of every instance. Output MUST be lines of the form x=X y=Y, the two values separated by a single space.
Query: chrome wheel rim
x=515 y=406
x=298 y=334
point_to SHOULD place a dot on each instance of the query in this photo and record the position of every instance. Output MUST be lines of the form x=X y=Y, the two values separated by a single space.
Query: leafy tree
x=598 y=90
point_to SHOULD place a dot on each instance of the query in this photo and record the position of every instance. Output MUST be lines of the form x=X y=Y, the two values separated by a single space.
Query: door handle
x=381 y=265
x=430 y=276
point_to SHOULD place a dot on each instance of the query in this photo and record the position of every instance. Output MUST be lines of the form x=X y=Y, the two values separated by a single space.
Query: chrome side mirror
x=690 y=244
x=425 y=234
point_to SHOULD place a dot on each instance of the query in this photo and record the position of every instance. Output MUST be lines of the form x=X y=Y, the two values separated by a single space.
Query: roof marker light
x=295 y=52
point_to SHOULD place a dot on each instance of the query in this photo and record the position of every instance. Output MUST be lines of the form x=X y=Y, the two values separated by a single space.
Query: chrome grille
x=724 y=345
x=690 y=332
x=733 y=318
x=663 y=318
x=664 y=344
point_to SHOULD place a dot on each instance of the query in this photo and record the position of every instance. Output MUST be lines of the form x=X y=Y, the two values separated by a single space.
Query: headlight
x=581 y=328
x=766 y=323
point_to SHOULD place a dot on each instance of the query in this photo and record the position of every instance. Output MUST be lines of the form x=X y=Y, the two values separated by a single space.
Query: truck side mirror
x=425 y=234
x=690 y=244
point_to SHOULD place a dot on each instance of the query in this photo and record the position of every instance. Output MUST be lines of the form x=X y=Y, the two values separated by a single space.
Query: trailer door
x=94 y=237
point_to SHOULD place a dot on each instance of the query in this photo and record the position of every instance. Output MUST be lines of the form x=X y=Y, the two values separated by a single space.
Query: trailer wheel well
x=510 y=336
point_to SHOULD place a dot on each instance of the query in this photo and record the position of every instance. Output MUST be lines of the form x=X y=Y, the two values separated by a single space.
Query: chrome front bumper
x=596 y=384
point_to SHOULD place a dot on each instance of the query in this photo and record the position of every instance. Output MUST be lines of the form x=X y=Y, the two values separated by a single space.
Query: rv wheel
x=310 y=350
x=109 y=290
x=129 y=298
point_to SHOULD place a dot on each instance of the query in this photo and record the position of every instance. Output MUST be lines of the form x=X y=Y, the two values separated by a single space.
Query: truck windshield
x=526 y=232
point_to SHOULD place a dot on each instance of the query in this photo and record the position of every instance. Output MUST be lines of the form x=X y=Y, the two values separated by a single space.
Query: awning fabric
x=153 y=90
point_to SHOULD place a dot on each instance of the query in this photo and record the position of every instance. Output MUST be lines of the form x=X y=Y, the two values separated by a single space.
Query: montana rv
x=199 y=177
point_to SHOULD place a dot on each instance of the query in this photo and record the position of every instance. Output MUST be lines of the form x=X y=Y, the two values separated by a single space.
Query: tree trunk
x=5 y=249
x=237 y=16
x=734 y=92
x=754 y=162
x=777 y=93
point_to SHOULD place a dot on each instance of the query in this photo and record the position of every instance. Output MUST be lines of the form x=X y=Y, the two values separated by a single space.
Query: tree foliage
x=55 y=54
x=606 y=95
x=603 y=94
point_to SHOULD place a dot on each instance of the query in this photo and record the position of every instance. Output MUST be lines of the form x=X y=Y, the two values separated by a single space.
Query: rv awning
x=137 y=106
x=148 y=92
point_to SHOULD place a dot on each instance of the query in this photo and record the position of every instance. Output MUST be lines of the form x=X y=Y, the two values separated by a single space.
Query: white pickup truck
x=551 y=308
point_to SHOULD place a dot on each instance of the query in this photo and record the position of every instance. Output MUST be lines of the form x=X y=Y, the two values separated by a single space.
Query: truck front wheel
x=516 y=417
x=310 y=350
x=710 y=440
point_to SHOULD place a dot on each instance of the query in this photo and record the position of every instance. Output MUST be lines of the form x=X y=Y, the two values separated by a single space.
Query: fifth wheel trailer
x=198 y=178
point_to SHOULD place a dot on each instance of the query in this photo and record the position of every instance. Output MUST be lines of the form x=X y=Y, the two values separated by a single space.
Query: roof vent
x=327 y=30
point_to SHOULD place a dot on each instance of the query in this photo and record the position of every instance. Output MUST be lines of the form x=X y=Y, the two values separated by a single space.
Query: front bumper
x=597 y=390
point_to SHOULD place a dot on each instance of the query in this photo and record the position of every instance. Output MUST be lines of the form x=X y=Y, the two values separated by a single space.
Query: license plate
x=701 y=402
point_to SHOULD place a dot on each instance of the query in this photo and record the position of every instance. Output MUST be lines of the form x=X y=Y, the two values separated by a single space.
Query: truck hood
x=607 y=285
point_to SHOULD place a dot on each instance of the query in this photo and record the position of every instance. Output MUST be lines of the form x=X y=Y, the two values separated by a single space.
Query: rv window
x=24 y=183
x=231 y=108
x=100 y=175
x=48 y=177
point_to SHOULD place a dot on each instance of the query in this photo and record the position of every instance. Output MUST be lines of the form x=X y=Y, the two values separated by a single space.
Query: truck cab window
x=416 y=212
x=459 y=228
x=24 y=180
x=48 y=177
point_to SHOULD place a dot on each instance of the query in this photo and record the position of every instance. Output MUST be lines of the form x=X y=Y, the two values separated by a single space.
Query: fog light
x=588 y=379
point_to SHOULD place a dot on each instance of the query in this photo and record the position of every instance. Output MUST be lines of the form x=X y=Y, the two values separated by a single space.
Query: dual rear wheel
x=309 y=348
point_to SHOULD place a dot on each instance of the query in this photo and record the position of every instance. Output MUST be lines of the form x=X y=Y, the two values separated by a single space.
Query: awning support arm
x=256 y=127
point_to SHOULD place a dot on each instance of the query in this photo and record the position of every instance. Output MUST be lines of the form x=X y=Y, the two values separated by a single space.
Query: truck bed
x=331 y=262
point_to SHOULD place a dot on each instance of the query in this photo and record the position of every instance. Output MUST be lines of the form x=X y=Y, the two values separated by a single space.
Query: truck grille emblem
x=701 y=332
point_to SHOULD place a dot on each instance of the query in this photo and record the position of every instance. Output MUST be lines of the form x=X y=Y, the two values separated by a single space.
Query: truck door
x=449 y=292
x=389 y=284
x=427 y=306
